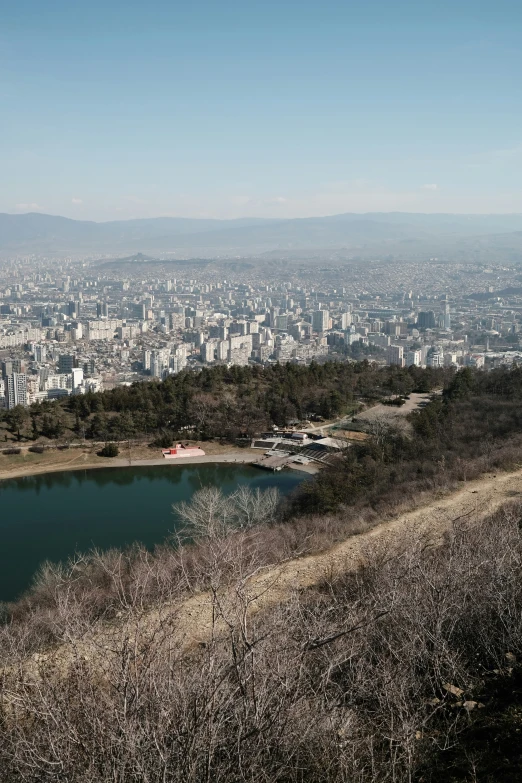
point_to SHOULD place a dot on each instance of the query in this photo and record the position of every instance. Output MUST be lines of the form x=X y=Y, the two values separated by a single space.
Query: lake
x=53 y=515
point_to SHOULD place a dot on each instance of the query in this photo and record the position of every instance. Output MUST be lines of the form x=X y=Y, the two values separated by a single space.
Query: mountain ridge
x=367 y=233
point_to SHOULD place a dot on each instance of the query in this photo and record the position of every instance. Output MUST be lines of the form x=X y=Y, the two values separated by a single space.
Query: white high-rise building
x=157 y=364
x=396 y=355
x=40 y=353
x=77 y=377
x=346 y=320
x=222 y=350
x=177 y=363
x=414 y=358
x=16 y=389
x=207 y=352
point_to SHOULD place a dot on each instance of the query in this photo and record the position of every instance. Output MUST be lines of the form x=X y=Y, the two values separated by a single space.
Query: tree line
x=219 y=402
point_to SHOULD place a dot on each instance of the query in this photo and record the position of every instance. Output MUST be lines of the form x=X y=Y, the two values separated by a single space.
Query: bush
x=163 y=441
x=12 y=451
x=36 y=449
x=109 y=450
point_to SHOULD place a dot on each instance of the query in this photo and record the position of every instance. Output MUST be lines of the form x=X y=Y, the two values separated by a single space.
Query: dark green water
x=52 y=516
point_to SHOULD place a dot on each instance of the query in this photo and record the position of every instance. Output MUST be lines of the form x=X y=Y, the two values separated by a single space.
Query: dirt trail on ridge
x=192 y=621
x=474 y=501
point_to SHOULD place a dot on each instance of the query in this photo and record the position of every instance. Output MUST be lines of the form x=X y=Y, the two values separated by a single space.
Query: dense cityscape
x=79 y=326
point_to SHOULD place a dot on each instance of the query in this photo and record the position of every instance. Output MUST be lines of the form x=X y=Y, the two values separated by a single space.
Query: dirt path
x=192 y=621
x=475 y=501
x=186 y=623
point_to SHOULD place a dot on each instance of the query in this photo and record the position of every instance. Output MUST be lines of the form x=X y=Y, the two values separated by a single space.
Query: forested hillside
x=473 y=427
x=220 y=402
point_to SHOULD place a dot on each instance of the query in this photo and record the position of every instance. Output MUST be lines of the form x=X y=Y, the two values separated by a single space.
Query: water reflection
x=53 y=515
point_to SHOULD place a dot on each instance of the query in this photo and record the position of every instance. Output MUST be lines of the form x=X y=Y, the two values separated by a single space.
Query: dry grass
x=272 y=582
x=351 y=435
x=364 y=675
x=52 y=460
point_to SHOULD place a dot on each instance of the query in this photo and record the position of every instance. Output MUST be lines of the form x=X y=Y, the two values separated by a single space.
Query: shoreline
x=245 y=457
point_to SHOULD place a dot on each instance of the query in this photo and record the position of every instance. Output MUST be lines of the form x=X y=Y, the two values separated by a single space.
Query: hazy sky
x=273 y=108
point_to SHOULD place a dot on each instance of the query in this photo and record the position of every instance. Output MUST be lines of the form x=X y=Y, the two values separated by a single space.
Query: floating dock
x=273 y=461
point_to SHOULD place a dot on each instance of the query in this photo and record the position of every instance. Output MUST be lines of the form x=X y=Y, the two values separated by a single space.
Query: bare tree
x=384 y=429
x=255 y=506
x=210 y=514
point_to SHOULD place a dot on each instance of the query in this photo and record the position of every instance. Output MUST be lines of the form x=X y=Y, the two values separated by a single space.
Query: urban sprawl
x=78 y=326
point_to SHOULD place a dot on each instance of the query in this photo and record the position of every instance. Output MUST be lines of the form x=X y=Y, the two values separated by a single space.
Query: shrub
x=163 y=441
x=109 y=450
x=12 y=451
x=36 y=449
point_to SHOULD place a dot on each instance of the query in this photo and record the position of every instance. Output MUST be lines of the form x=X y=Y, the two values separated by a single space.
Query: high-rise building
x=346 y=321
x=65 y=363
x=274 y=312
x=140 y=311
x=281 y=322
x=450 y=360
x=447 y=316
x=435 y=358
x=207 y=352
x=77 y=331
x=11 y=366
x=426 y=320
x=158 y=363
x=77 y=377
x=89 y=367
x=102 y=310
x=222 y=350
x=73 y=309
x=414 y=358
x=40 y=353
x=320 y=320
x=16 y=390
x=396 y=355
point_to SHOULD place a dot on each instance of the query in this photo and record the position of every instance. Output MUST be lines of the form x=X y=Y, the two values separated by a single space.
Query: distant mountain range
x=387 y=234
